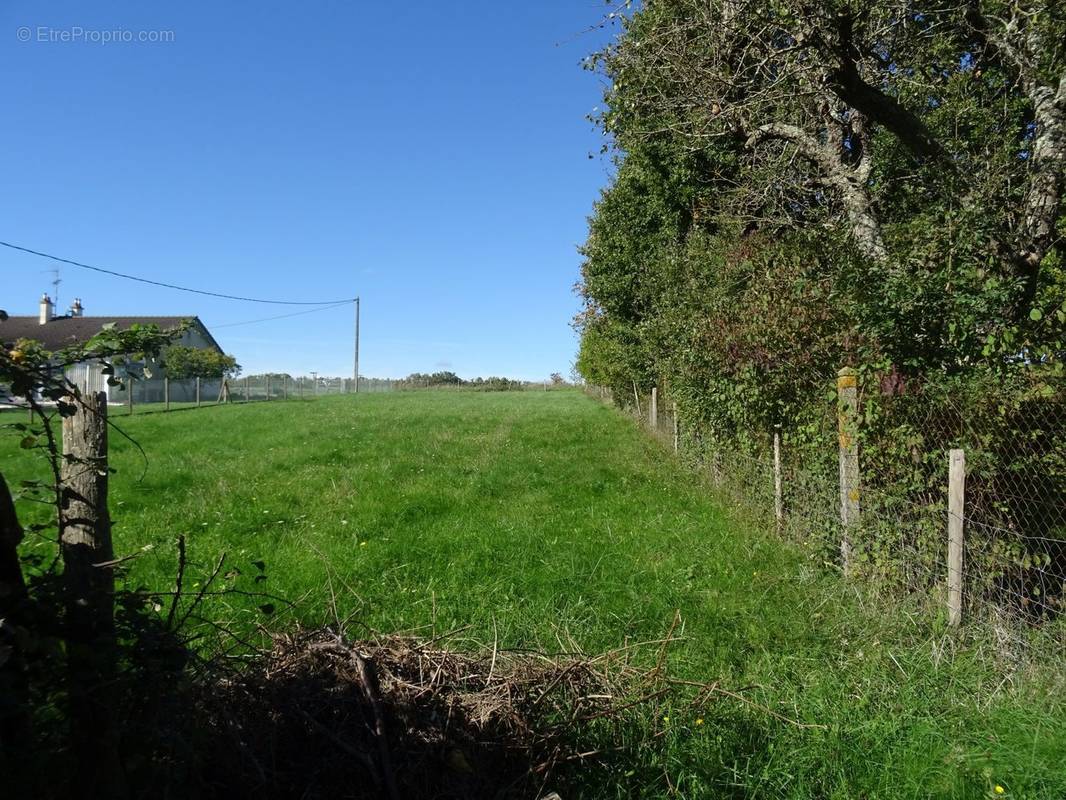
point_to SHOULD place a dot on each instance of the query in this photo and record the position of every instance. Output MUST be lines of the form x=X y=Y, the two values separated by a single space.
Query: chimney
x=76 y=310
x=46 y=308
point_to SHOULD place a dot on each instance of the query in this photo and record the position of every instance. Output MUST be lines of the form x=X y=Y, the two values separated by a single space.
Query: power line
x=174 y=286
x=282 y=316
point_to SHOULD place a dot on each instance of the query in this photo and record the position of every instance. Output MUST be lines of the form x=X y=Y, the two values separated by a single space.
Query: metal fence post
x=197 y=392
x=268 y=386
x=847 y=421
x=166 y=393
x=956 y=533
x=129 y=392
x=246 y=395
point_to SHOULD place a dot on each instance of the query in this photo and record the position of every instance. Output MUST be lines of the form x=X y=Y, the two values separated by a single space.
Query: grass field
x=547 y=520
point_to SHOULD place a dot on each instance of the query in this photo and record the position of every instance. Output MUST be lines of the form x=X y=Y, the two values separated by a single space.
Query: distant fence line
x=980 y=548
x=164 y=394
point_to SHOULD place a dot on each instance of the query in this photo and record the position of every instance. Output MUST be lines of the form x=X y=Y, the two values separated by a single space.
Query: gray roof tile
x=64 y=331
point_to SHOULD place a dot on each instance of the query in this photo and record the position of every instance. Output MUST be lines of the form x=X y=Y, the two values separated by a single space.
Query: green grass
x=548 y=520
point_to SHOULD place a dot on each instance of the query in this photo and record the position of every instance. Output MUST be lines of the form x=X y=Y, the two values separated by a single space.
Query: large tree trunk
x=846 y=180
x=1048 y=171
x=865 y=227
x=89 y=584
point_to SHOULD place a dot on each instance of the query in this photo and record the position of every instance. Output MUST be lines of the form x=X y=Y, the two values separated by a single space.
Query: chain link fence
x=150 y=394
x=956 y=506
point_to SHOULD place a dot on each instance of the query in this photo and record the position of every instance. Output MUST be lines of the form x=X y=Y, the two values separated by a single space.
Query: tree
x=198 y=362
x=812 y=96
x=803 y=186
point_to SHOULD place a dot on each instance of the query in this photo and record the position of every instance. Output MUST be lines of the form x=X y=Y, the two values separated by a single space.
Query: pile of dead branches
x=396 y=717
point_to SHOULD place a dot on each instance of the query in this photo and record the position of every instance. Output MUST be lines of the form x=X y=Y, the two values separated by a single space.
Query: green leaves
x=182 y=361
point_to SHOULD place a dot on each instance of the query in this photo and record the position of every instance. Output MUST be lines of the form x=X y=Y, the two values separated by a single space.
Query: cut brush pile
x=396 y=717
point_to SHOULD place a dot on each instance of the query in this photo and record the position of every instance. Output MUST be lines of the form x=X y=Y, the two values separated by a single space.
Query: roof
x=62 y=332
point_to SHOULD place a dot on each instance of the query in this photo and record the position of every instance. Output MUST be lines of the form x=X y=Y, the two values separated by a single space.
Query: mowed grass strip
x=546 y=520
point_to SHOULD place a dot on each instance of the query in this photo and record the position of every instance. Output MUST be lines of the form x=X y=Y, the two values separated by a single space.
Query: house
x=56 y=332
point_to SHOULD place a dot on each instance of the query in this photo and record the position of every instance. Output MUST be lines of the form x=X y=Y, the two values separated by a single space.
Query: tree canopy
x=801 y=186
x=183 y=362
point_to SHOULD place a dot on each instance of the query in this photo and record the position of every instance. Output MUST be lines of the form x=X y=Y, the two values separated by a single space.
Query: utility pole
x=357 y=345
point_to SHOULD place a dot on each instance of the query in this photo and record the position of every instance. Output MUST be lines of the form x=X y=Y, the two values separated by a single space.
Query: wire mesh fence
x=159 y=393
x=955 y=508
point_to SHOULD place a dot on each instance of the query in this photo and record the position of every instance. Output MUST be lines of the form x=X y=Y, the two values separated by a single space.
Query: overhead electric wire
x=282 y=316
x=175 y=286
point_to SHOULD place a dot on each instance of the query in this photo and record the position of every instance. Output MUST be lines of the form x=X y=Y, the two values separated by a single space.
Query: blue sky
x=431 y=157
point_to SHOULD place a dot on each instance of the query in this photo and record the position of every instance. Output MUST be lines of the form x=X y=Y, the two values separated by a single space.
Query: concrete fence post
x=956 y=533
x=653 y=412
x=268 y=387
x=247 y=396
x=848 y=424
x=197 y=392
x=779 y=495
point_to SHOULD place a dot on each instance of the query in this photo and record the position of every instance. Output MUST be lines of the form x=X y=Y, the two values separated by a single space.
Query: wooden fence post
x=779 y=495
x=15 y=721
x=197 y=392
x=677 y=442
x=956 y=533
x=166 y=393
x=847 y=421
x=653 y=413
x=85 y=537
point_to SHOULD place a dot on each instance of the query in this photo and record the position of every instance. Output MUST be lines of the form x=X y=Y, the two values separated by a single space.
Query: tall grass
x=546 y=520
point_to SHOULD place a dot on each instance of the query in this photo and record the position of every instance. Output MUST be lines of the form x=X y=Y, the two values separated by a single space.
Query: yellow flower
x=699 y=720
x=666 y=719
x=999 y=789
x=362 y=544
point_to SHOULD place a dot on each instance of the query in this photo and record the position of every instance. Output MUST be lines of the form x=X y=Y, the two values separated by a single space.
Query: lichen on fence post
x=848 y=422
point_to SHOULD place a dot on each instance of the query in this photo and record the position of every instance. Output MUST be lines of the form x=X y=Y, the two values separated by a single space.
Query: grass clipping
x=397 y=717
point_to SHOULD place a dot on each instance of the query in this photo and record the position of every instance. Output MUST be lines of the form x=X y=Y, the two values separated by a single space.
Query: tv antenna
x=56 y=280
